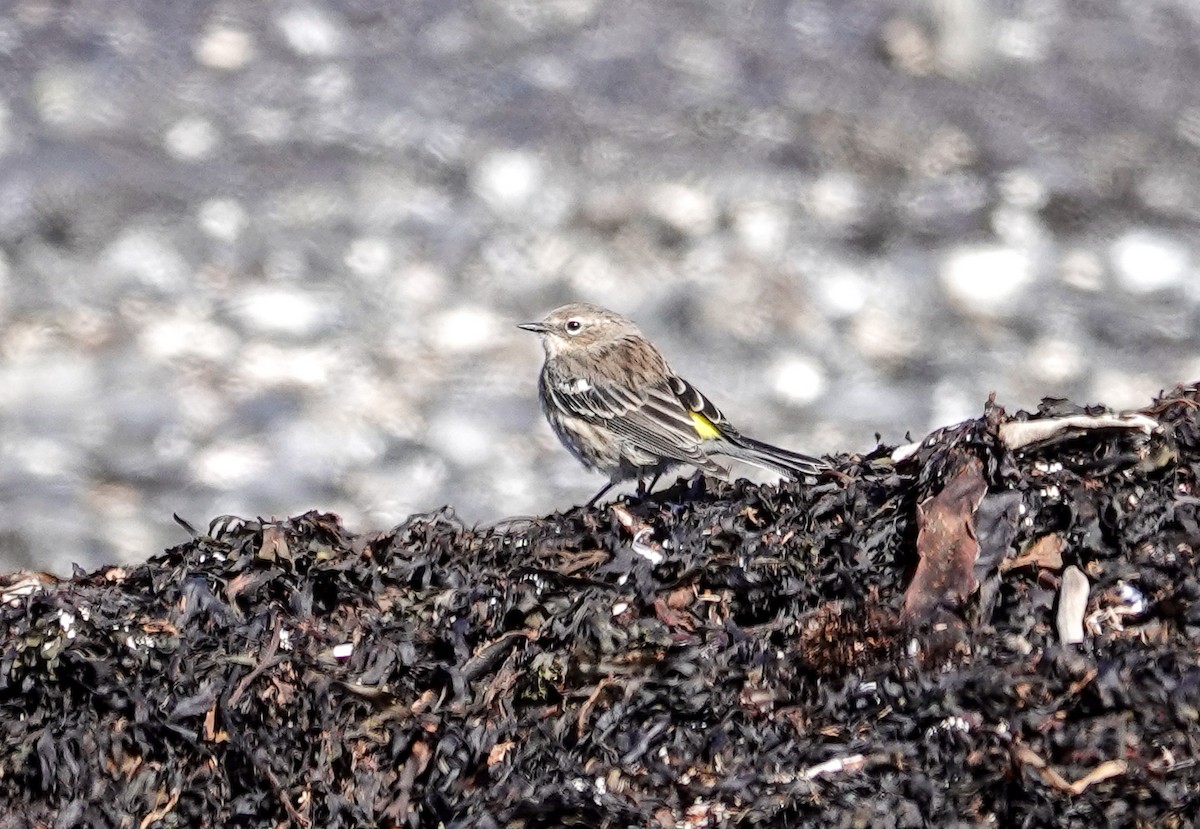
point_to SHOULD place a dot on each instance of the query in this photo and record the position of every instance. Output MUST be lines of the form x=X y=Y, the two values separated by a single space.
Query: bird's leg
x=592 y=501
x=653 y=481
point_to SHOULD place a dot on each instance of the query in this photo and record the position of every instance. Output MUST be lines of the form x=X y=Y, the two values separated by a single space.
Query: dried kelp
x=711 y=655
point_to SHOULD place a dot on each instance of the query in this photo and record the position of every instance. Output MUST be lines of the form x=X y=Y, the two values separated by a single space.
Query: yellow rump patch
x=704 y=427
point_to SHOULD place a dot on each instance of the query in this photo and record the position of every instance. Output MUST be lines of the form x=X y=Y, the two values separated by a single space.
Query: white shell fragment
x=1017 y=434
x=853 y=762
x=1072 y=603
x=647 y=551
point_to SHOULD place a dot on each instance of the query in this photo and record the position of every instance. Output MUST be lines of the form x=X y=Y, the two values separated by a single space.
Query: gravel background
x=257 y=258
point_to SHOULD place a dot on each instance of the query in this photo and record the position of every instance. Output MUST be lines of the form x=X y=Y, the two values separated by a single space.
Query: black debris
x=713 y=655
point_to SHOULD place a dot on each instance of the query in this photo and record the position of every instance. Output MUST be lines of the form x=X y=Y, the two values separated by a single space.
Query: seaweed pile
x=999 y=625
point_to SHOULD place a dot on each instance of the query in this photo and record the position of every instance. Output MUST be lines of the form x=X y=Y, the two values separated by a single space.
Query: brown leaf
x=274 y=545
x=673 y=618
x=1107 y=769
x=1046 y=553
x=946 y=543
x=499 y=752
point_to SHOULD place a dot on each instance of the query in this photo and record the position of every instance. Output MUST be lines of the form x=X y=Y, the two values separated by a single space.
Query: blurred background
x=258 y=258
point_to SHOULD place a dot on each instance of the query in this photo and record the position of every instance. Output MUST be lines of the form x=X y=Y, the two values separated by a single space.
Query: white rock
x=884 y=335
x=841 y=292
x=230 y=464
x=224 y=47
x=507 y=180
x=1021 y=40
x=42 y=457
x=222 y=219
x=369 y=256
x=1022 y=188
x=1018 y=227
x=266 y=365
x=148 y=257
x=761 y=227
x=1072 y=604
x=464 y=330
x=191 y=139
x=311 y=32
x=549 y=72
x=689 y=210
x=267 y=125
x=59 y=95
x=1145 y=262
x=836 y=198
x=797 y=380
x=281 y=310
x=986 y=280
x=702 y=57
x=545 y=16
x=421 y=284
x=185 y=334
x=1082 y=270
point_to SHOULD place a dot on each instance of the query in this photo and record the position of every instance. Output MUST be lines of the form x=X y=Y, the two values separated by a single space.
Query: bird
x=616 y=405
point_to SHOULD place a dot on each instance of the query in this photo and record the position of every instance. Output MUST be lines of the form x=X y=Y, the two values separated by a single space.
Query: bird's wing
x=707 y=419
x=671 y=418
x=650 y=415
x=713 y=426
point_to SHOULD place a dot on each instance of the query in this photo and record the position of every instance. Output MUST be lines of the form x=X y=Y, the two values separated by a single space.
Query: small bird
x=619 y=408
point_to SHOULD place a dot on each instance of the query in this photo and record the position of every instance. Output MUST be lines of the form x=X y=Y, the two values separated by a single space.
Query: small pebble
x=224 y=47
x=311 y=32
x=1072 y=604
x=985 y=280
x=1145 y=261
x=508 y=180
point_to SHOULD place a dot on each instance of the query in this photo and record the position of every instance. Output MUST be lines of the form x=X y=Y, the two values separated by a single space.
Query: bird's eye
x=574 y=326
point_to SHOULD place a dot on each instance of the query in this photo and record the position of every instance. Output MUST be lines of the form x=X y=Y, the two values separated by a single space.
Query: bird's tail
x=783 y=461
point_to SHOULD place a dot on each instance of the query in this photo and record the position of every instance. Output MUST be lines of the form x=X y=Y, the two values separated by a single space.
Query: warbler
x=619 y=408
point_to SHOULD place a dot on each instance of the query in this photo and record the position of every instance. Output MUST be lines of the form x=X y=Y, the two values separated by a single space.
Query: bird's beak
x=535 y=327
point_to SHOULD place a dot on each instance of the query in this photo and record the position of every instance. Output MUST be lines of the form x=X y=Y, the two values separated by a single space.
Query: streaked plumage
x=616 y=405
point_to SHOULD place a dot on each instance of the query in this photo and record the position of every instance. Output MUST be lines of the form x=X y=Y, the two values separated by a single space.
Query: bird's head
x=579 y=325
